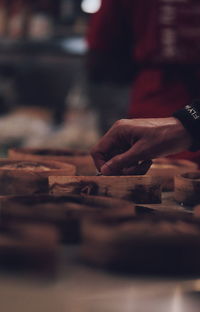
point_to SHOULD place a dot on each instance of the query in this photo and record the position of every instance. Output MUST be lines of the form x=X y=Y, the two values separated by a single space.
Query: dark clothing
x=190 y=118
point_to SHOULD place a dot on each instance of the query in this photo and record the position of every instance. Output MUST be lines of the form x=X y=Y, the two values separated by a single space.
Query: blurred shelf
x=12 y=51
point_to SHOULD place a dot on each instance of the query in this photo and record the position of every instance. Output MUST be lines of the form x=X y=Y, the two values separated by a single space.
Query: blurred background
x=68 y=70
x=45 y=97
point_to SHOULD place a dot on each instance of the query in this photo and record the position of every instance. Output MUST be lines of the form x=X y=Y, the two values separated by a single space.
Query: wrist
x=189 y=117
x=181 y=133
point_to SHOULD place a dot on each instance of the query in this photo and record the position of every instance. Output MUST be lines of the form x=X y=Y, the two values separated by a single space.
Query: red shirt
x=164 y=39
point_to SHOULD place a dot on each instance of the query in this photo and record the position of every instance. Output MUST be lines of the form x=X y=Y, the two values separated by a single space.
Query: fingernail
x=106 y=170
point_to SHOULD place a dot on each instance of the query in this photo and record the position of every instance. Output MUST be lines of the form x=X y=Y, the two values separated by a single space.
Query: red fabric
x=159 y=33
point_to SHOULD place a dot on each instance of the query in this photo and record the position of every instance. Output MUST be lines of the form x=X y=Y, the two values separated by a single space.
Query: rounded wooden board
x=81 y=159
x=167 y=169
x=29 y=177
x=187 y=188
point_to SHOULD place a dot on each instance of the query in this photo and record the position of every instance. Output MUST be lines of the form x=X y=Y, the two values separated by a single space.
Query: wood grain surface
x=138 y=189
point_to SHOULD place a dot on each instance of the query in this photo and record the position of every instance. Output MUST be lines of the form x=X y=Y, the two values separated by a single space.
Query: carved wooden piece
x=143 y=245
x=187 y=188
x=138 y=189
x=66 y=212
x=167 y=169
x=25 y=177
x=82 y=160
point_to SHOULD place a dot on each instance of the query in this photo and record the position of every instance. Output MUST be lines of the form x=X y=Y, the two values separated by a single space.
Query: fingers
x=140 y=169
x=99 y=159
x=127 y=159
x=106 y=149
x=114 y=154
x=130 y=141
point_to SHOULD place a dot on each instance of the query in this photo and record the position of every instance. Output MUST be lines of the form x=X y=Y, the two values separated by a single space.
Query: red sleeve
x=106 y=27
x=110 y=43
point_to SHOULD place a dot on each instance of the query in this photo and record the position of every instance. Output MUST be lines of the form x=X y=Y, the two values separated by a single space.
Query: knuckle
x=119 y=158
x=120 y=123
x=116 y=162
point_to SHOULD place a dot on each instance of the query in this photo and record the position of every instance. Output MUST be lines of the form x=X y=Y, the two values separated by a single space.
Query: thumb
x=129 y=158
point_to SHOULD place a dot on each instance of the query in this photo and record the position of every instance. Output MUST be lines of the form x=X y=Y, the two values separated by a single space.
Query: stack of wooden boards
x=54 y=195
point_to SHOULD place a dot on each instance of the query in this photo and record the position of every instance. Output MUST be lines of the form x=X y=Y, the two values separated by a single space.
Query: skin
x=128 y=147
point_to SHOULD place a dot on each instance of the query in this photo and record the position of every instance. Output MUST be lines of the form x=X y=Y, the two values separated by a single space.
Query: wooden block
x=28 y=177
x=65 y=212
x=82 y=160
x=138 y=189
x=143 y=245
x=167 y=169
x=187 y=188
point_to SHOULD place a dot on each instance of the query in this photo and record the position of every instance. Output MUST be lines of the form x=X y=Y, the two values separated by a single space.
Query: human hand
x=128 y=147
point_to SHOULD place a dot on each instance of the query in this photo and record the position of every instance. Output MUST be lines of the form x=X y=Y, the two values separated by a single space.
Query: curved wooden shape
x=167 y=169
x=138 y=189
x=187 y=188
x=26 y=177
x=82 y=160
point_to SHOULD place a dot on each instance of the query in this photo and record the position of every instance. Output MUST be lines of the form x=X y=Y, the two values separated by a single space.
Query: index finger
x=103 y=151
x=107 y=148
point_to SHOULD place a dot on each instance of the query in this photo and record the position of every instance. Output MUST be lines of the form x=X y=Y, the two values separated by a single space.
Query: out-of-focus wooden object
x=29 y=177
x=197 y=211
x=82 y=160
x=138 y=189
x=187 y=188
x=65 y=212
x=28 y=246
x=151 y=244
x=167 y=169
